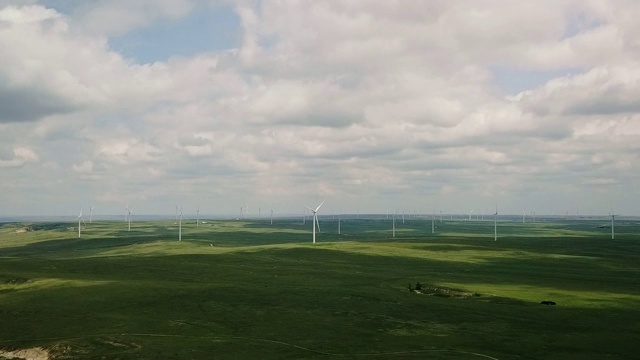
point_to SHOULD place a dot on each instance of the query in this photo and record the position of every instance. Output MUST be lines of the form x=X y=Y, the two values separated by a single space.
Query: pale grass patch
x=564 y=297
x=35 y=353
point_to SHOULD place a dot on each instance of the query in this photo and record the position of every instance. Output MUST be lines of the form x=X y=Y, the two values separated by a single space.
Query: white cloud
x=85 y=167
x=21 y=156
x=376 y=104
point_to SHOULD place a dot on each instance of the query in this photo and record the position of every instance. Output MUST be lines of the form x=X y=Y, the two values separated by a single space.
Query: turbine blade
x=318 y=208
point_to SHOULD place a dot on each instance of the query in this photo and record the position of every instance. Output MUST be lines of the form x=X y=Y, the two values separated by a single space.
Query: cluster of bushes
x=414 y=288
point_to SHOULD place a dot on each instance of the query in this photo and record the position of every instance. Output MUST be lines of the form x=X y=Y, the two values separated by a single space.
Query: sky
x=376 y=106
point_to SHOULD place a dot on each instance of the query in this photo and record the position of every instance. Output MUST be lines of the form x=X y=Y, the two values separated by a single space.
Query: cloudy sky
x=422 y=106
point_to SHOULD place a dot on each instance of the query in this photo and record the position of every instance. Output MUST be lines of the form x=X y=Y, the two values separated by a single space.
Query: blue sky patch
x=204 y=30
x=513 y=81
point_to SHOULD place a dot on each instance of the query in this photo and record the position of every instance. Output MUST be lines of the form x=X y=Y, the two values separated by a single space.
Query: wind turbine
x=271 y=216
x=613 y=234
x=80 y=219
x=180 y=225
x=315 y=219
x=523 y=216
x=90 y=214
x=339 y=218
x=495 y=225
x=198 y=216
x=393 y=233
x=433 y=224
x=129 y=216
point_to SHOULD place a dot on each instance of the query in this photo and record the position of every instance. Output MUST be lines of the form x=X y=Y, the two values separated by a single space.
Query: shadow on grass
x=325 y=299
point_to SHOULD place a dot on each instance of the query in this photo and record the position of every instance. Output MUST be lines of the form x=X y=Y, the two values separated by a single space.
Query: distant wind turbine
x=271 y=216
x=393 y=233
x=315 y=219
x=495 y=225
x=129 y=216
x=433 y=224
x=613 y=233
x=79 y=218
x=90 y=214
x=180 y=225
x=198 y=216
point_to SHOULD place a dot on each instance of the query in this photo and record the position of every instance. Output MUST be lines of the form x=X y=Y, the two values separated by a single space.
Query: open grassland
x=248 y=289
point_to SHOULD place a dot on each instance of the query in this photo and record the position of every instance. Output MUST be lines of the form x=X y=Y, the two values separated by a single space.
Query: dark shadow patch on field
x=70 y=246
x=244 y=238
x=323 y=299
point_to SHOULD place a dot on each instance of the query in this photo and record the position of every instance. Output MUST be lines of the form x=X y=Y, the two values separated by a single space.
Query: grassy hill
x=248 y=289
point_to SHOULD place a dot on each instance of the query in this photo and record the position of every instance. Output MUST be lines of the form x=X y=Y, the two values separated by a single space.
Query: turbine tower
x=90 y=214
x=613 y=233
x=198 y=216
x=393 y=233
x=433 y=224
x=79 y=218
x=271 y=216
x=180 y=225
x=495 y=225
x=315 y=219
x=129 y=216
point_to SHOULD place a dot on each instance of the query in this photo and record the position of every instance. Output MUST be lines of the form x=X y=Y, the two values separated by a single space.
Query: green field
x=251 y=290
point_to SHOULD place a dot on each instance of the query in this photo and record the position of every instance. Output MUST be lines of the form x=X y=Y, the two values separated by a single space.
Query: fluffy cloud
x=19 y=157
x=374 y=104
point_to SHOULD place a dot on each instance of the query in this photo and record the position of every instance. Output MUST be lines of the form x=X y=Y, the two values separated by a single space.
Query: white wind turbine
x=433 y=224
x=90 y=214
x=495 y=225
x=271 y=216
x=198 y=216
x=180 y=225
x=129 y=216
x=613 y=217
x=315 y=219
x=79 y=218
x=393 y=233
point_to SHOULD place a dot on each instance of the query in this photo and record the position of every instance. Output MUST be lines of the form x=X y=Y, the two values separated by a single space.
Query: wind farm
x=319 y=180
x=249 y=286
